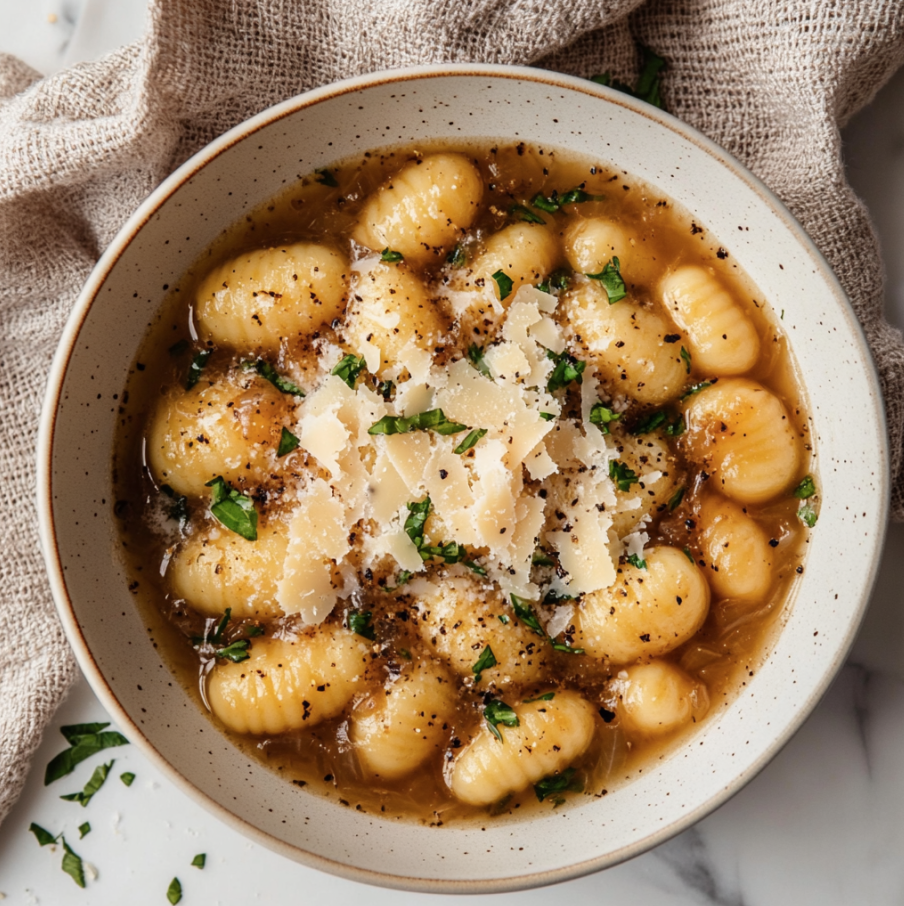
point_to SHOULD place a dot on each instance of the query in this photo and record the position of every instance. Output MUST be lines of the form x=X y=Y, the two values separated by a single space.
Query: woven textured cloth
x=769 y=80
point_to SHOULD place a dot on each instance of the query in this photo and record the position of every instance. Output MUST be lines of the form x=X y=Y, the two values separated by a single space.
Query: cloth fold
x=770 y=81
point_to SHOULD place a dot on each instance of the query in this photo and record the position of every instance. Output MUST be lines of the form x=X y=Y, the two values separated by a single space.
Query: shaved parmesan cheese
x=539 y=463
x=560 y=619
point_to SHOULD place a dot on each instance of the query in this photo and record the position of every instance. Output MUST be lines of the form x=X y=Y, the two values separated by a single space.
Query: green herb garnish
x=269 y=373
x=505 y=284
x=676 y=499
x=649 y=422
x=806 y=489
x=686 y=358
x=545 y=697
x=558 y=282
x=567 y=369
x=635 y=560
x=388 y=256
x=417 y=517
x=675 y=428
x=554 y=597
x=325 y=178
x=503 y=619
x=475 y=354
x=451 y=552
x=541 y=558
x=196 y=367
x=525 y=214
x=622 y=475
x=385 y=388
x=526 y=614
x=611 y=279
x=432 y=419
x=601 y=416
x=649 y=83
x=554 y=202
x=84 y=740
x=179 y=509
x=359 y=622
x=91 y=787
x=72 y=865
x=486 y=660
x=470 y=440
x=547 y=416
x=84 y=829
x=199 y=860
x=174 y=891
x=287 y=443
x=457 y=257
x=349 y=368
x=807 y=515
x=44 y=837
x=567 y=649
x=128 y=778
x=232 y=509
x=236 y=652
x=687 y=553
x=401 y=579
x=696 y=388
x=558 y=783
x=498 y=712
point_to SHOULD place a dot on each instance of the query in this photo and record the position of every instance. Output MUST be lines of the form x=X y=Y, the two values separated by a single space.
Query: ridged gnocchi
x=289 y=684
x=657 y=698
x=742 y=432
x=549 y=736
x=219 y=427
x=264 y=297
x=523 y=252
x=399 y=727
x=217 y=569
x=722 y=339
x=649 y=610
x=422 y=210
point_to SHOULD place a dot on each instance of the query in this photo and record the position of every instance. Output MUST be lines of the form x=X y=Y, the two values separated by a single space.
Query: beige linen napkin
x=770 y=81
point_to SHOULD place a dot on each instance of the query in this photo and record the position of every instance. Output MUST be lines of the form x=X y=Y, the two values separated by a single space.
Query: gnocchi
x=657 y=698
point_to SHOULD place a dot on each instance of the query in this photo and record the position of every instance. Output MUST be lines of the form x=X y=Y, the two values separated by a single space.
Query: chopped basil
x=451 y=552
x=649 y=422
x=622 y=475
x=696 y=388
x=221 y=627
x=401 y=579
x=550 y=205
x=432 y=419
x=503 y=619
x=287 y=443
x=526 y=614
x=44 y=837
x=405 y=653
x=385 y=389
x=806 y=489
x=558 y=783
x=555 y=597
x=475 y=354
x=174 y=891
x=525 y=214
x=269 y=373
x=541 y=558
x=687 y=553
x=72 y=865
x=559 y=280
x=578 y=196
x=601 y=416
x=567 y=369
x=807 y=515
x=686 y=358
x=196 y=367
x=84 y=829
x=635 y=560
x=349 y=368
x=236 y=652
x=497 y=712
x=470 y=440
x=199 y=860
x=359 y=622
x=252 y=631
x=179 y=509
x=391 y=257
x=547 y=416
x=554 y=202
x=475 y=567
x=414 y=524
x=486 y=660
x=232 y=509
x=178 y=348
x=676 y=499
x=85 y=740
x=505 y=284
x=675 y=428
x=325 y=178
x=128 y=778
x=611 y=279
x=545 y=697
x=91 y=787
x=457 y=257
x=562 y=646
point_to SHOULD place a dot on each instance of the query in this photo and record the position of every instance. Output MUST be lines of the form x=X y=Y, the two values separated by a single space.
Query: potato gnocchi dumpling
x=491 y=433
x=262 y=298
x=548 y=737
x=422 y=210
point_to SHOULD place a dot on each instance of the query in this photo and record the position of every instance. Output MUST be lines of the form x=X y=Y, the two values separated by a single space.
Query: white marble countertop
x=822 y=824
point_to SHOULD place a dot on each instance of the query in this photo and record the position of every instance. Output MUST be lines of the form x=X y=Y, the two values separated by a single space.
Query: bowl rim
x=89 y=294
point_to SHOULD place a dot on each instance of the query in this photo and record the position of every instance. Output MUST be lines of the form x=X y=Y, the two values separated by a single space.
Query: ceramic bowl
x=250 y=164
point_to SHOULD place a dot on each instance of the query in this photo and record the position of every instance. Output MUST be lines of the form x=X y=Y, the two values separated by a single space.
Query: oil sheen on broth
x=536 y=515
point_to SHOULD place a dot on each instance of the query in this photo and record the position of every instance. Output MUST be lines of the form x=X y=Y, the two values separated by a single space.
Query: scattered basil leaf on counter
x=269 y=373
x=498 y=712
x=236 y=652
x=602 y=416
x=525 y=214
x=84 y=742
x=475 y=354
x=44 y=837
x=567 y=369
x=676 y=499
x=486 y=660
x=686 y=358
x=649 y=422
x=91 y=787
x=388 y=256
x=558 y=783
x=287 y=443
x=622 y=475
x=432 y=419
x=174 y=891
x=541 y=558
x=635 y=560
x=696 y=388
x=325 y=178
x=349 y=368
x=179 y=509
x=505 y=284
x=649 y=83
x=526 y=614
x=196 y=367
x=178 y=348
x=806 y=489
x=807 y=515
x=457 y=257
x=84 y=829
x=128 y=778
x=72 y=865
x=359 y=622
x=545 y=697
x=611 y=279
x=470 y=440
x=232 y=509
x=199 y=860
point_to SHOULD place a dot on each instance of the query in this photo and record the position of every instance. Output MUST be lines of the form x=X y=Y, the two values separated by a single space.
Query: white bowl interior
x=251 y=164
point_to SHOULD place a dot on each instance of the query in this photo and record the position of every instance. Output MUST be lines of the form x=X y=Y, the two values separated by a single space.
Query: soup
x=464 y=480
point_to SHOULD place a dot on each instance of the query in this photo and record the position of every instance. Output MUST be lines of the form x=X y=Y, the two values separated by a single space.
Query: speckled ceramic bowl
x=250 y=164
